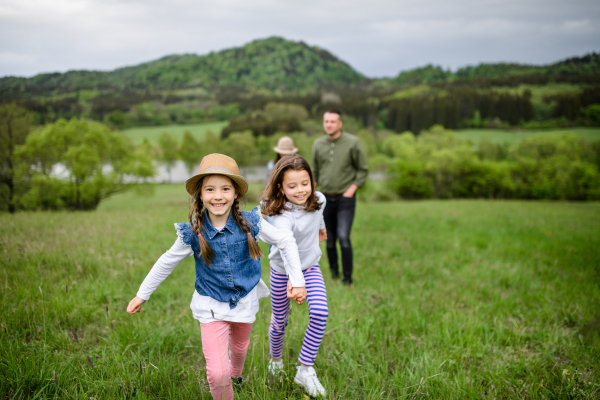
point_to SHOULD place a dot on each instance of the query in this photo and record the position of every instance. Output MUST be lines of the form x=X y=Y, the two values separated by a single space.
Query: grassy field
x=152 y=133
x=452 y=299
x=514 y=136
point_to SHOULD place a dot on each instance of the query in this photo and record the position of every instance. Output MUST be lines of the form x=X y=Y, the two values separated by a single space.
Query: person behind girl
x=285 y=146
x=222 y=240
x=290 y=198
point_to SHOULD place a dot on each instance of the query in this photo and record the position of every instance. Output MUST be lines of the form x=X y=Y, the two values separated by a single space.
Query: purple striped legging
x=317 y=312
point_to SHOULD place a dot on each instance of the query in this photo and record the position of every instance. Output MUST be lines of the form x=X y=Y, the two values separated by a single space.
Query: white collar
x=294 y=207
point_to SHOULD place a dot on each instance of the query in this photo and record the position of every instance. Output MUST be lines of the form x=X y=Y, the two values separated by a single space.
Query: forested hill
x=272 y=64
x=275 y=66
x=237 y=82
x=575 y=69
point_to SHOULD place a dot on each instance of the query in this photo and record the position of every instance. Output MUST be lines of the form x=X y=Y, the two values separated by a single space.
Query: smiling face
x=296 y=186
x=218 y=195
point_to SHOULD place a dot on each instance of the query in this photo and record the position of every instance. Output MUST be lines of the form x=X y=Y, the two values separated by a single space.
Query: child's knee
x=218 y=379
x=278 y=327
x=319 y=315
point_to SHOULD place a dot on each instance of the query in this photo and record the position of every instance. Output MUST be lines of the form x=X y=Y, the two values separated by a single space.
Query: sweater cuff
x=143 y=296
x=297 y=281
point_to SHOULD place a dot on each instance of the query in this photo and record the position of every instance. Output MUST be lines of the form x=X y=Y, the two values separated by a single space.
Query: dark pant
x=338 y=216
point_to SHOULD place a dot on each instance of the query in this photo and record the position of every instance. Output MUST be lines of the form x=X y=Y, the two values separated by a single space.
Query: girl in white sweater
x=294 y=205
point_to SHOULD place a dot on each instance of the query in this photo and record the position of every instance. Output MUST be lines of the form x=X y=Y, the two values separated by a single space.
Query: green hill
x=267 y=65
x=237 y=84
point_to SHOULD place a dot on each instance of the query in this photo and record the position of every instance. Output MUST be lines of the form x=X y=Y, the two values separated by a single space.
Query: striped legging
x=317 y=312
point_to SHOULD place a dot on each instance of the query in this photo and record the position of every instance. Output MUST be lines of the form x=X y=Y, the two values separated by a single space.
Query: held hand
x=322 y=234
x=300 y=294
x=296 y=293
x=135 y=305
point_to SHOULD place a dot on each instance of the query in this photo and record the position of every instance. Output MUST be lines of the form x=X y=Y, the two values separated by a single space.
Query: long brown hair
x=272 y=198
x=197 y=215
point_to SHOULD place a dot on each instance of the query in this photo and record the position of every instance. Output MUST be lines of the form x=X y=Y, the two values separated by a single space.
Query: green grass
x=452 y=299
x=152 y=133
x=513 y=136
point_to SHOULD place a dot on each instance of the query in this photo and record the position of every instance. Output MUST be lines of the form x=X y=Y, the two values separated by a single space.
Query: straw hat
x=217 y=164
x=285 y=145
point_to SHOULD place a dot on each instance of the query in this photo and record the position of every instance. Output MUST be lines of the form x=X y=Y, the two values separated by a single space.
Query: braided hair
x=254 y=248
x=197 y=216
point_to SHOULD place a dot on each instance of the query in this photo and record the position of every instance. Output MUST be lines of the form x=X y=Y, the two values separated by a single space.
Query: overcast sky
x=376 y=37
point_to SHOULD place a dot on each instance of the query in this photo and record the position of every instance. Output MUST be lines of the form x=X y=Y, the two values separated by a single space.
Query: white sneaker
x=276 y=368
x=309 y=381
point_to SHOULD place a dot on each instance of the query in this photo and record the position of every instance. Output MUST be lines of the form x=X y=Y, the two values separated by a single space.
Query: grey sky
x=376 y=37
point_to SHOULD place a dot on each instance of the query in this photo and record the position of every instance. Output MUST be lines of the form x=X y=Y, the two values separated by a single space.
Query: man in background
x=339 y=168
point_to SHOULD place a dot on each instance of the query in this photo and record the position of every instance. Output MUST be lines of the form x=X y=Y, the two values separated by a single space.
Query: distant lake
x=179 y=173
x=254 y=174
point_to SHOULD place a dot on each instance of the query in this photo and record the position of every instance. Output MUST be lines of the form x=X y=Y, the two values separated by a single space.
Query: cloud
x=380 y=37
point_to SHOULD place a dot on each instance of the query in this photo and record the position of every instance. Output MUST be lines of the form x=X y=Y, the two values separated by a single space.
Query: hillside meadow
x=452 y=299
x=152 y=133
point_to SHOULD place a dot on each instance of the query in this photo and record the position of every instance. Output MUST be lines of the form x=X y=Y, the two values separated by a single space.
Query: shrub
x=593 y=113
x=438 y=165
x=410 y=180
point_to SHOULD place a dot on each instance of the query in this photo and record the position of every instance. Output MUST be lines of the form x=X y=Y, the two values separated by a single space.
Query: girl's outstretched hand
x=135 y=305
x=296 y=293
x=322 y=234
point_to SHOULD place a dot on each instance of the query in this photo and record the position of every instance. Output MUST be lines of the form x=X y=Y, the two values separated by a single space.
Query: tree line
x=75 y=164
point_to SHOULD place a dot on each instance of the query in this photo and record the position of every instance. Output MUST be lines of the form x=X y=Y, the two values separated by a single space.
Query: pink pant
x=222 y=341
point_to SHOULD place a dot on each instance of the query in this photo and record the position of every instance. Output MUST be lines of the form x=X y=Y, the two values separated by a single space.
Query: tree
x=283 y=111
x=145 y=155
x=241 y=146
x=75 y=164
x=169 y=153
x=189 y=151
x=211 y=144
x=15 y=125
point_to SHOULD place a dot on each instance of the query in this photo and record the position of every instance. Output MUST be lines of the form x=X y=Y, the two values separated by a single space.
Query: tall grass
x=453 y=299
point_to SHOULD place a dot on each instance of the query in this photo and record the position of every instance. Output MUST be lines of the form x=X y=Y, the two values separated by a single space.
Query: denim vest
x=232 y=273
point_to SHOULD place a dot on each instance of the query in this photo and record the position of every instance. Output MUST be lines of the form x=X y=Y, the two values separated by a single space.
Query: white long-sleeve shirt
x=305 y=226
x=203 y=307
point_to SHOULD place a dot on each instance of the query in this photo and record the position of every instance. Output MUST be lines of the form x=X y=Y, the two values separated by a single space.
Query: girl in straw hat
x=223 y=241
